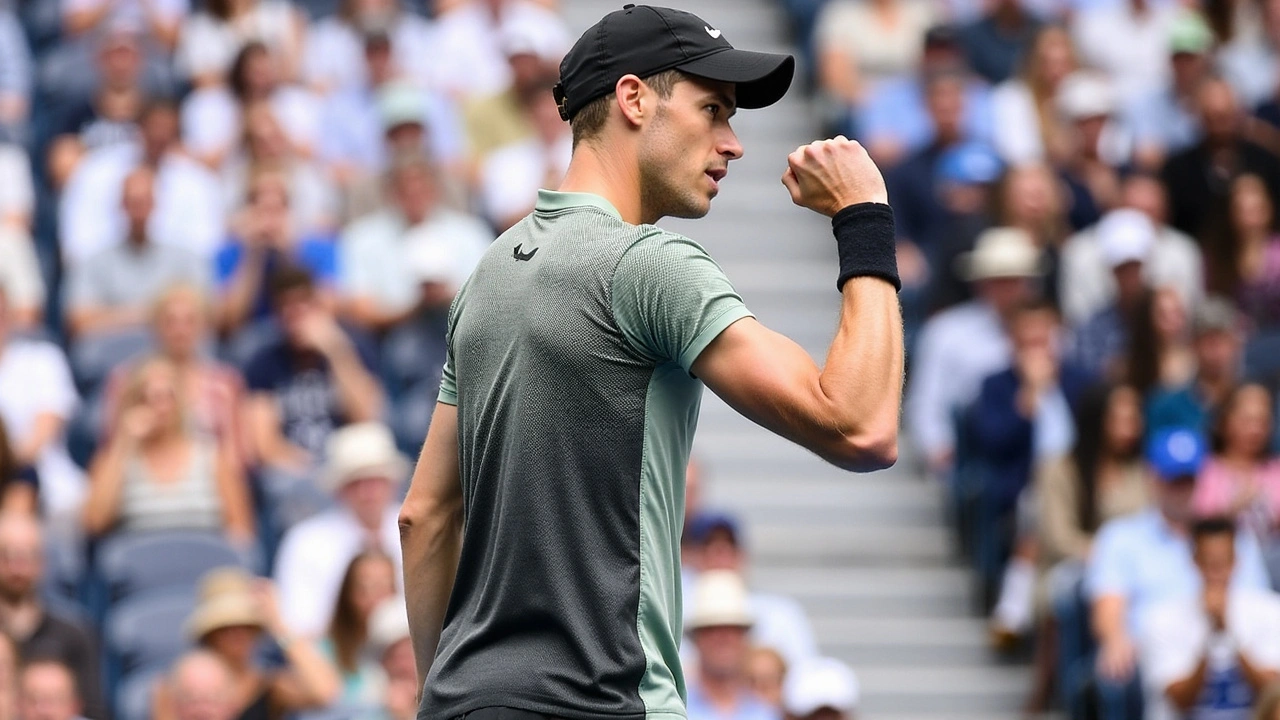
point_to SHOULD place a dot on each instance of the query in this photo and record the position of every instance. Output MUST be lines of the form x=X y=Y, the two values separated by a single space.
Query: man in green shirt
x=541 y=531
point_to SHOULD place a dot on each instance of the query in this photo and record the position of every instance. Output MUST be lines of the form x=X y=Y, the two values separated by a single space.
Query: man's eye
x=714 y=109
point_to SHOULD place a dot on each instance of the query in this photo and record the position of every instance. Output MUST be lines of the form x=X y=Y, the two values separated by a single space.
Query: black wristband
x=865 y=239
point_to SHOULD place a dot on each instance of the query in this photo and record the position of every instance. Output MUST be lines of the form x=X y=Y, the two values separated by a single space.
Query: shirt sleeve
x=670 y=299
x=448 y=376
x=51 y=373
x=1108 y=572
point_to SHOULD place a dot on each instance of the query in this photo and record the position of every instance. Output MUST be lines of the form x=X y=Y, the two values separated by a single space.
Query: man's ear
x=633 y=98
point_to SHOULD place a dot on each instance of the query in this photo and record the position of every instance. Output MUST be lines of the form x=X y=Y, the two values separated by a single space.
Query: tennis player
x=541 y=532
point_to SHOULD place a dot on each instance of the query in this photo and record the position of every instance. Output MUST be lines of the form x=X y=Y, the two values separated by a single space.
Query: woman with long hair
x=17 y=481
x=1242 y=477
x=369 y=580
x=1160 y=355
x=1025 y=107
x=156 y=473
x=1243 y=262
x=211 y=38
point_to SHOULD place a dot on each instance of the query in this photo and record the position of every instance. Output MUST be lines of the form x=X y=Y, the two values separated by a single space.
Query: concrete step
x=919 y=641
x=869 y=592
x=913 y=689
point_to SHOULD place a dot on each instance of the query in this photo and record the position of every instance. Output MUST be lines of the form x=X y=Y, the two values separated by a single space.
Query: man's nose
x=729 y=146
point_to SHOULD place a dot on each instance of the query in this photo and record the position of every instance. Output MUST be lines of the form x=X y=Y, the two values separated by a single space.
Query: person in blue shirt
x=1143 y=560
x=1218 y=347
x=719 y=628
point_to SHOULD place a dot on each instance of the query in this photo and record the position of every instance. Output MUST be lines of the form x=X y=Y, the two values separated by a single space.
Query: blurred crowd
x=1086 y=195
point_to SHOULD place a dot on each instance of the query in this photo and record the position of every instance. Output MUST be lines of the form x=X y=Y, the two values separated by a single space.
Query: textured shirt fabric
x=569 y=361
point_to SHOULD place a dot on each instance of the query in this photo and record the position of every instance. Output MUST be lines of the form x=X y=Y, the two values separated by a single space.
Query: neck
x=137 y=236
x=722 y=690
x=1213 y=388
x=591 y=171
x=1236 y=457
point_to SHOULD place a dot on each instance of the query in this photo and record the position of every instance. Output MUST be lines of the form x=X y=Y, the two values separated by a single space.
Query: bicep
x=770 y=380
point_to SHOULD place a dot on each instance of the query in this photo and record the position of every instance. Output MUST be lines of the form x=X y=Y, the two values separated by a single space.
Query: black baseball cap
x=642 y=40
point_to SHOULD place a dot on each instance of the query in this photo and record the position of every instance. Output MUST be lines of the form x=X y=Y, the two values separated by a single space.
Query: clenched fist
x=827 y=176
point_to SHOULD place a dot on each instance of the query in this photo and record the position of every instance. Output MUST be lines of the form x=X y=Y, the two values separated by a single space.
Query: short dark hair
x=1035 y=306
x=288 y=279
x=591 y=118
x=1212 y=527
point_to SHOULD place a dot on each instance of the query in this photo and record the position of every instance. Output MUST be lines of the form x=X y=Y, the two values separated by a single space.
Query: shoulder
x=316 y=533
x=34 y=353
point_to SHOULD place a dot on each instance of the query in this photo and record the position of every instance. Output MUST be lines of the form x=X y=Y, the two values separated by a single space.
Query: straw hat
x=720 y=599
x=1001 y=252
x=225 y=600
x=361 y=449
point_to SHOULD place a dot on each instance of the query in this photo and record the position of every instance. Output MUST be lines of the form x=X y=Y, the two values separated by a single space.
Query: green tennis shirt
x=569 y=355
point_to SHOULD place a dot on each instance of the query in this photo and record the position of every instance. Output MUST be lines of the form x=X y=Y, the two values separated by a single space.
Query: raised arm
x=846 y=412
x=431 y=535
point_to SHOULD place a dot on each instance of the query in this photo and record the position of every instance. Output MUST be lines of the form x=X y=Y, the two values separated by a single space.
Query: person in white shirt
x=511 y=176
x=21 y=277
x=1128 y=41
x=37 y=397
x=1213 y=654
x=1087 y=285
x=334 y=59
x=469 y=48
x=364 y=472
x=959 y=347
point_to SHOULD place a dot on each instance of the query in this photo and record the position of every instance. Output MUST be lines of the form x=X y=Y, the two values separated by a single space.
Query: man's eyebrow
x=724 y=99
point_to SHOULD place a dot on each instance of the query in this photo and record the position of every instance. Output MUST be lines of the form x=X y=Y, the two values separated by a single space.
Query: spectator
x=1093 y=145
x=766 y=671
x=1217 y=349
x=211 y=38
x=212 y=116
x=213 y=391
x=1085 y=285
x=201 y=687
x=1141 y=561
x=38 y=631
x=470 y=62
x=233 y=612
x=1199 y=177
x=389 y=643
x=1101 y=478
x=312 y=195
x=18 y=481
x=37 y=398
x=1125 y=238
x=114 y=290
x=9 y=664
x=943 y=101
x=1215 y=652
x=47 y=689
x=1242 y=478
x=778 y=622
x=995 y=41
x=155 y=473
x=265 y=241
x=860 y=45
x=312 y=380
x=15 y=78
x=1129 y=41
x=510 y=177
x=20 y=277
x=188 y=211
x=158 y=21
x=379 y=286
x=334 y=60
x=364 y=474
x=1246 y=50
x=112 y=115
x=497 y=120
x=1161 y=357
x=821 y=689
x=718 y=627
x=963 y=345
x=1024 y=107
x=1164 y=120
x=1244 y=262
x=964 y=188
x=17 y=189
x=369 y=580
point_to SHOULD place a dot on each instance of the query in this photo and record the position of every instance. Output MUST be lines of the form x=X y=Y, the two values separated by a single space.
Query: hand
x=827 y=176
x=1215 y=606
x=137 y=423
x=1116 y=659
x=1038 y=369
x=264 y=594
x=320 y=332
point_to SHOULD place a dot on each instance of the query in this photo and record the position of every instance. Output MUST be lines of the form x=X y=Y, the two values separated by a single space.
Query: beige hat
x=225 y=600
x=361 y=449
x=719 y=599
x=388 y=625
x=1001 y=252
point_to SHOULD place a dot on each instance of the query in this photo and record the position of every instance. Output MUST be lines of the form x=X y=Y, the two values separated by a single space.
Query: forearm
x=237 y=301
x=106 y=486
x=366 y=313
x=431 y=541
x=84 y=20
x=358 y=391
x=317 y=679
x=90 y=320
x=45 y=429
x=1108 y=619
x=1186 y=692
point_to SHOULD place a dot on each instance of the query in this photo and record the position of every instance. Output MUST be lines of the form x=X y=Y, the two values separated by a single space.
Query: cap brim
x=761 y=78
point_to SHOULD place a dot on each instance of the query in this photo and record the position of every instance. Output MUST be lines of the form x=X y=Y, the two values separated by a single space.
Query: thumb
x=792 y=184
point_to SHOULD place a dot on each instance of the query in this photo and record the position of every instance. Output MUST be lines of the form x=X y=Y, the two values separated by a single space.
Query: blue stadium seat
x=413 y=353
x=94 y=356
x=133 y=694
x=133 y=563
x=345 y=712
x=146 y=631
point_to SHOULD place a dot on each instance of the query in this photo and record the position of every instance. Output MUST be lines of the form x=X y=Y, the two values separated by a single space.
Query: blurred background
x=230 y=231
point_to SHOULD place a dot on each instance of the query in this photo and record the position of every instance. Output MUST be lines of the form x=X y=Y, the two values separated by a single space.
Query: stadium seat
x=133 y=694
x=94 y=356
x=146 y=631
x=133 y=563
